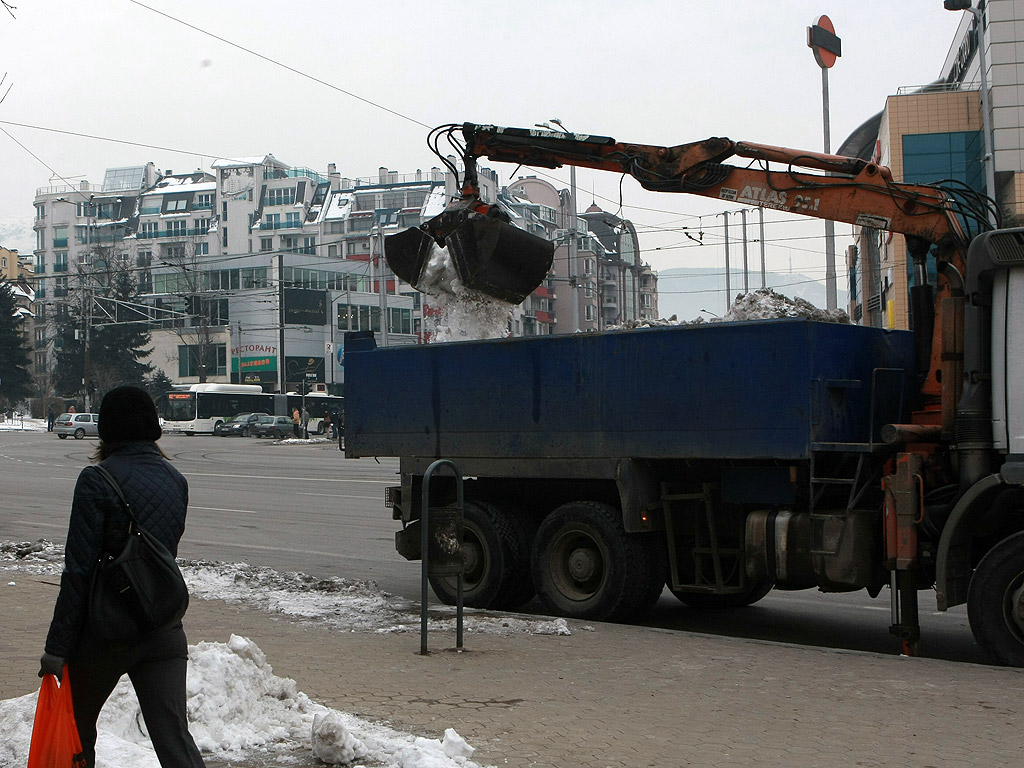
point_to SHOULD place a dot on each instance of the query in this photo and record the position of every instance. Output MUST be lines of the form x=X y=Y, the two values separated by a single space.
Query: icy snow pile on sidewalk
x=343 y=604
x=238 y=710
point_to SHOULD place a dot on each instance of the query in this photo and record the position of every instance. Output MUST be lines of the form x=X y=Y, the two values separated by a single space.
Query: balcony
x=165 y=233
x=287 y=224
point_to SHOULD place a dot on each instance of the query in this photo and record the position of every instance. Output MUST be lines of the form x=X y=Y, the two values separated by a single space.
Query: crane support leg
x=903 y=510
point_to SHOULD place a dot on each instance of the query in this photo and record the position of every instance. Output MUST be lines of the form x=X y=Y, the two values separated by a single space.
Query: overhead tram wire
x=435 y=134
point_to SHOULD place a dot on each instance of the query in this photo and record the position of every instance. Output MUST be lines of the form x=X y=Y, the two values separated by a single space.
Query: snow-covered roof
x=238 y=162
x=435 y=202
x=339 y=206
x=173 y=184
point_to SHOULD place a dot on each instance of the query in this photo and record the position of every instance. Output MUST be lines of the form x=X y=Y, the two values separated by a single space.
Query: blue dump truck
x=721 y=458
x=726 y=459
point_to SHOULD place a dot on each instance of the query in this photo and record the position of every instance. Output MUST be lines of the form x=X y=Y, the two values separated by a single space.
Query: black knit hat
x=127 y=413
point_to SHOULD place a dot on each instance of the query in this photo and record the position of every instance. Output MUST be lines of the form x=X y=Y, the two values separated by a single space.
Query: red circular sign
x=825 y=58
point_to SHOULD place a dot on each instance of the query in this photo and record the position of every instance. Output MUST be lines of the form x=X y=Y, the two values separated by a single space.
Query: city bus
x=197 y=409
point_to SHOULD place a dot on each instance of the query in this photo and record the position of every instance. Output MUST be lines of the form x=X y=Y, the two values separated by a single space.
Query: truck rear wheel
x=995 y=601
x=496 y=554
x=585 y=565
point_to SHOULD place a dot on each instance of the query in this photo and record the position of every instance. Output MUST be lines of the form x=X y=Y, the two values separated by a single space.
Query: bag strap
x=117 y=488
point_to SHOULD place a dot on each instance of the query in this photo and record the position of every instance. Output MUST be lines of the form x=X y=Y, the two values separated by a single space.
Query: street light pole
x=573 y=245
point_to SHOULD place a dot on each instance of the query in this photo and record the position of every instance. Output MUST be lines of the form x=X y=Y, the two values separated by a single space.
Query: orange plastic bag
x=55 y=742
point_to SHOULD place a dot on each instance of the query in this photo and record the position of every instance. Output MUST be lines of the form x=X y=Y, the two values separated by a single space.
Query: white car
x=78 y=425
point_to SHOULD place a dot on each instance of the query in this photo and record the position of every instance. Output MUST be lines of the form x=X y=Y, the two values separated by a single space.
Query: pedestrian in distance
x=338 y=421
x=50 y=418
x=155 y=663
x=305 y=424
x=328 y=424
x=295 y=422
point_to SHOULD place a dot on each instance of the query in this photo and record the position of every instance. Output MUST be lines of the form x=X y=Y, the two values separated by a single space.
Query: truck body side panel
x=766 y=389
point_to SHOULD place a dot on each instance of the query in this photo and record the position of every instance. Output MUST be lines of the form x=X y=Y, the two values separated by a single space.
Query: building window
x=40 y=211
x=590 y=311
x=175 y=204
x=190 y=360
x=60 y=286
x=177 y=228
x=281 y=196
x=360 y=223
x=291 y=219
x=308 y=245
x=60 y=237
x=41 y=288
x=332 y=251
x=40 y=263
x=60 y=261
x=202 y=226
x=337 y=227
x=203 y=248
x=224 y=238
x=266 y=244
x=204 y=200
x=149 y=229
x=273 y=221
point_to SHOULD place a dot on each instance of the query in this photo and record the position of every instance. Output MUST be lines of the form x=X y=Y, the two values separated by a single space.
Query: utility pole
x=728 y=284
x=760 y=215
x=746 y=270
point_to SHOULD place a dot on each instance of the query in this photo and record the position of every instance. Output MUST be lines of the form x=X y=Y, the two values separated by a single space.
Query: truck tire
x=705 y=601
x=995 y=602
x=497 y=561
x=585 y=566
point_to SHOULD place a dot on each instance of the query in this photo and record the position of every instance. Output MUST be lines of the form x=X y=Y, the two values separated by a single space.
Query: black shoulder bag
x=138 y=591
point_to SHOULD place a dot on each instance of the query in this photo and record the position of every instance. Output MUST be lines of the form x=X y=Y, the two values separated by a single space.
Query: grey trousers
x=156 y=666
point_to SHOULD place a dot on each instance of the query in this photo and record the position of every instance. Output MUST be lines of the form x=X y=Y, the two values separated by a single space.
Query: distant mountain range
x=686 y=291
x=16 y=234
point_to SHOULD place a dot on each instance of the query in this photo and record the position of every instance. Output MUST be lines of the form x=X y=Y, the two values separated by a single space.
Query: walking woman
x=155 y=663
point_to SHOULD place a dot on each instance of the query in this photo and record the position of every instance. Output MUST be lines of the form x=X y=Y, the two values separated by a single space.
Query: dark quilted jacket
x=158 y=494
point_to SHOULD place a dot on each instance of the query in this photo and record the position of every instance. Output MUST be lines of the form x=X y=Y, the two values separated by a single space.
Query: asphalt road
x=304 y=507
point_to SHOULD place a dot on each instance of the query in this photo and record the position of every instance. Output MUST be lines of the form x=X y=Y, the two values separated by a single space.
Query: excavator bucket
x=489 y=254
x=407 y=253
x=498 y=259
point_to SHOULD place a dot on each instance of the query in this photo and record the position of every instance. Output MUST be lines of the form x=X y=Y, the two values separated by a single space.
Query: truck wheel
x=517 y=542
x=995 y=602
x=705 y=601
x=493 y=557
x=585 y=566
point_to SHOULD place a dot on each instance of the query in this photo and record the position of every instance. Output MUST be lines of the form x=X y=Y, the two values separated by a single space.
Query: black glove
x=51 y=665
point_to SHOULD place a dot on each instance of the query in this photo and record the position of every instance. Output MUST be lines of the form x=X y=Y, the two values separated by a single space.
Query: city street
x=304 y=507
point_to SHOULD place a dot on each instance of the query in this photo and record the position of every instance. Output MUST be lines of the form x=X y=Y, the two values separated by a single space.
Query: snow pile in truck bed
x=762 y=304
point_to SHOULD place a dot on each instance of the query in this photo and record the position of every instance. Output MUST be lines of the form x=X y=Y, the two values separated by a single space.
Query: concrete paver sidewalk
x=609 y=695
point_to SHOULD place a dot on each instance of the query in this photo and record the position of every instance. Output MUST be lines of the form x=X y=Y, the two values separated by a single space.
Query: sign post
x=827 y=47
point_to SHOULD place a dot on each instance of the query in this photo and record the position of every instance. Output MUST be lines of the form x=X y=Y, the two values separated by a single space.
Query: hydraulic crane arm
x=856 y=192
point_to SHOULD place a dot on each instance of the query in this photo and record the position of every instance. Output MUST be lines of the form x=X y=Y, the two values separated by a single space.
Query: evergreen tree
x=15 y=380
x=116 y=346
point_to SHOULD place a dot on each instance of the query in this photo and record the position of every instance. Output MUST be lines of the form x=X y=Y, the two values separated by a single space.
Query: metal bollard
x=444 y=547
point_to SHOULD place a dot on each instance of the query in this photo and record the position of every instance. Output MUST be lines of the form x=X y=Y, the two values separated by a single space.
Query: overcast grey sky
x=649 y=71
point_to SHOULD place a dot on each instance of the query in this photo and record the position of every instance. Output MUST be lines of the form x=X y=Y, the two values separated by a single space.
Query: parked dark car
x=240 y=425
x=272 y=426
